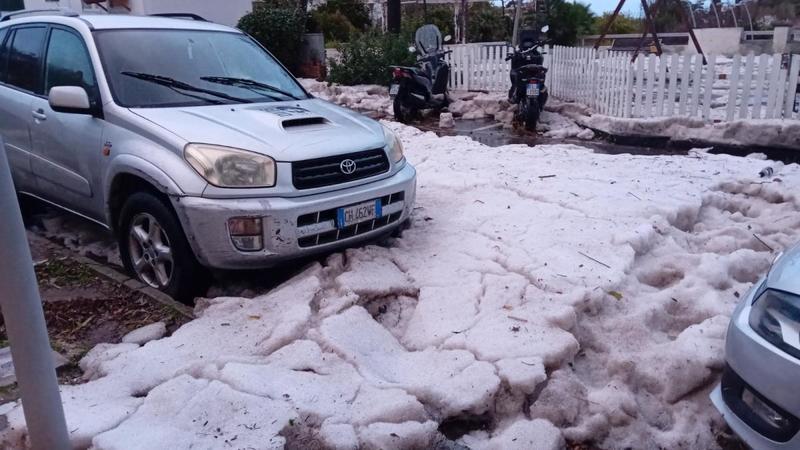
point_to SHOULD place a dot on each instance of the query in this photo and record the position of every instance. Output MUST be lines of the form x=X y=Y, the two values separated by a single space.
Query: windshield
x=163 y=68
x=428 y=39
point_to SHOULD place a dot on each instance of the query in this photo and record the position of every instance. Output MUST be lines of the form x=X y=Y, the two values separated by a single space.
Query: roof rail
x=181 y=16
x=39 y=12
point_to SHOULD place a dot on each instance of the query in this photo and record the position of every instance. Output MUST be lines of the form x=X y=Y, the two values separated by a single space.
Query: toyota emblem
x=348 y=166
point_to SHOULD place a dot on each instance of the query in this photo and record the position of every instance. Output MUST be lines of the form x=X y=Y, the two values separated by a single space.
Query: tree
x=487 y=23
x=623 y=24
x=354 y=10
x=279 y=27
x=568 y=21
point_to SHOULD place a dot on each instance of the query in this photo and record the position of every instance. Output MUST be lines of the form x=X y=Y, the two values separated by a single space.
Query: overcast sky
x=631 y=7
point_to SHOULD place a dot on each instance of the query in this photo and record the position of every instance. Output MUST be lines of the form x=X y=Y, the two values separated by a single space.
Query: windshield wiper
x=175 y=84
x=248 y=83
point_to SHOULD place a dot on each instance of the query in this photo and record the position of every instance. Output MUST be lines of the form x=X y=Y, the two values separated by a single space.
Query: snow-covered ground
x=465 y=105
x=546 y=293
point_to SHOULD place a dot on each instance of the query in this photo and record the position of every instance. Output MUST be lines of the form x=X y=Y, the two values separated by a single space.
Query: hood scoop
x=304 y=123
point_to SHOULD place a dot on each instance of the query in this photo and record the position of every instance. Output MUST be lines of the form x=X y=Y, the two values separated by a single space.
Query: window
x=12 y=5
x=68 y=62
x=190 y=57
x=25 y=58
x=3 y=55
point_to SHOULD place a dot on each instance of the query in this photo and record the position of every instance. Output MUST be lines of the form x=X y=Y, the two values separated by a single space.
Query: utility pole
x=25 y=325
x=393 y=16
x=517 y=17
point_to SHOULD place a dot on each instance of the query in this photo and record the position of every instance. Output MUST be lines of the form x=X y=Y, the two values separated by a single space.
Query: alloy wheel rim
x=150 y=251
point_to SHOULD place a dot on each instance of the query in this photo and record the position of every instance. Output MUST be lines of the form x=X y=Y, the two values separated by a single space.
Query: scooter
x=528 y=75
x=425 y=86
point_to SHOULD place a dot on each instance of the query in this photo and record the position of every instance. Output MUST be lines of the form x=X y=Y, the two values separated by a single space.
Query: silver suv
x=192 y=144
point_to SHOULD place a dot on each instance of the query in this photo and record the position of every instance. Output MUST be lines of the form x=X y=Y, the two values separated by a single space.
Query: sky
x=599 y=7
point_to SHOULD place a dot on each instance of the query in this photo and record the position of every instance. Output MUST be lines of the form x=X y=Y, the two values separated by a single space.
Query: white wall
x=227 y=12
x=719 y=41
x=75 y=5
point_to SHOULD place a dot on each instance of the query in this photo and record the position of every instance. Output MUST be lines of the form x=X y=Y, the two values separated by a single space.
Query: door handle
x=39 y=114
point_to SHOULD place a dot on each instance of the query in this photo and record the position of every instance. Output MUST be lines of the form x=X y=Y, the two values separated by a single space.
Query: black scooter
x=528 y=75
x=423 y=87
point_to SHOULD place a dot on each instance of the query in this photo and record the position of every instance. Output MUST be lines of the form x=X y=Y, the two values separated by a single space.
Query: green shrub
x=413 y=18
x=335 y=26
x=280 y=29
x=367 y=57
x=354 y=10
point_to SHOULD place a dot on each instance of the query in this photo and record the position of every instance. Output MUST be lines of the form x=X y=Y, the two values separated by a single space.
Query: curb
x=121 y=278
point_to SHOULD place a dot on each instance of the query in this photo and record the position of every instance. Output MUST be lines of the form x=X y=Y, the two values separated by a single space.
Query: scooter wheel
x=532 y=114
x=402 y=113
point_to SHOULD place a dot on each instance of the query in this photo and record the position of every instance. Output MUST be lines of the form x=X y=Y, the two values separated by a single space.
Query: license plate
x=394 y=89
x=533 y=90
x=351 y=215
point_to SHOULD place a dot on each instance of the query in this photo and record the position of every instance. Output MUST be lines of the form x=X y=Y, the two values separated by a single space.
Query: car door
x=67 y=146
x=17 y=88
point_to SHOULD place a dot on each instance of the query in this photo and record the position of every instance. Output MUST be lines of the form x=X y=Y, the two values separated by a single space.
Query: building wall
x=227 y=12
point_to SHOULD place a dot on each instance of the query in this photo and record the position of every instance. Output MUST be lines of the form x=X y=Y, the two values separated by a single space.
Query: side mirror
x=545 y=28
x=412 y=49
x=70 y=99
x=448 y=38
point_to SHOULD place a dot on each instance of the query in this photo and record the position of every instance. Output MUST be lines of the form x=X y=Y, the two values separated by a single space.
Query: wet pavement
x=495 y=134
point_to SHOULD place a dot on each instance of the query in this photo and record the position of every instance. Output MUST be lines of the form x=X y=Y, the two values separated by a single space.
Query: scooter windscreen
x=528 y=38
x=428 y=39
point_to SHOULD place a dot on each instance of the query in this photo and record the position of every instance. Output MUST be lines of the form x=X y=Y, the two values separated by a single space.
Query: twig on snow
x=595 y=260
x=542 y=177
x=634 y=195
x=518 y=318
x=763 y=243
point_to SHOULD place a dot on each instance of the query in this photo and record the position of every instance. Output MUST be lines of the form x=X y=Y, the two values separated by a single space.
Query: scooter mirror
x=545 y=28
x=412 y=49
x=448 y=38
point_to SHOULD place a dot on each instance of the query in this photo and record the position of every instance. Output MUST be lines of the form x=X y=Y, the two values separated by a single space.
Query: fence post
x=711 y=73
x=747 y=86
x=733 y=91
x=25 y=325
x=760 y=79
x=772 y=92
x=791 y=89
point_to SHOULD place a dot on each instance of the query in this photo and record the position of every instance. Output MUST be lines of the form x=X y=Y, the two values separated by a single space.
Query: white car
x=758 y=394
x=191 y=143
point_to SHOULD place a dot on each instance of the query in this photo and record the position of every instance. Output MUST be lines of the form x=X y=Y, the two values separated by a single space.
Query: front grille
x=336 y=234
x=314 y=173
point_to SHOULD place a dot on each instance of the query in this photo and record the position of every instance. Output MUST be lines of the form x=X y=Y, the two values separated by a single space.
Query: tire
x=531 y=114
x=155 y=251
x=402 y=113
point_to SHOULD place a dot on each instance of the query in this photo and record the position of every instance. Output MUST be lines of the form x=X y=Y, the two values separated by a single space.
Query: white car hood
x=285 y=131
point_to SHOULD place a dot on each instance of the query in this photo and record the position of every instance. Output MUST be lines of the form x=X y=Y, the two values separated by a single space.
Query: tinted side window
x=68 y=62
x=25 y=59
x=3 y=55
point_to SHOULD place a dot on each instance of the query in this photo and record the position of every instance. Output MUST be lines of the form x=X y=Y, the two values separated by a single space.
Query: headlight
x=229 y=167
x=776 y=317
x=394 y=145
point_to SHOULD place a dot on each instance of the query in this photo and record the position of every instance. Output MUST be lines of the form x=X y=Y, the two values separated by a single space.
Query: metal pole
x=517 y=17
x=25 y=325
x=607 y=25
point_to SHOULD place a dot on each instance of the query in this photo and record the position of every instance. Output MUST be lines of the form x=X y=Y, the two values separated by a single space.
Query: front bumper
x=769 y=374
x=205 y=222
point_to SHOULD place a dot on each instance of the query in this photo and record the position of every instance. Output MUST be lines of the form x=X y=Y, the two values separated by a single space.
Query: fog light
x=246 y=233
x=764 y=411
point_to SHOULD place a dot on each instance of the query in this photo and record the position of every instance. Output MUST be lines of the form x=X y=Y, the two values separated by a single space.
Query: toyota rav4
x=192 y=144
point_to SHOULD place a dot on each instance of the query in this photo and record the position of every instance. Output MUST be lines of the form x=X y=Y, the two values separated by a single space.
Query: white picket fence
x=724 y=89
x=479 y=67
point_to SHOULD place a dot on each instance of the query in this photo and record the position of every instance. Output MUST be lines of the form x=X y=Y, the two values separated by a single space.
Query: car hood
x=285 y=131
x=785 y=273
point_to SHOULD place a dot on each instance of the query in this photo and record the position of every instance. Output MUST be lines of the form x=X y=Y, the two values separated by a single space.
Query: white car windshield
x=167 y=68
